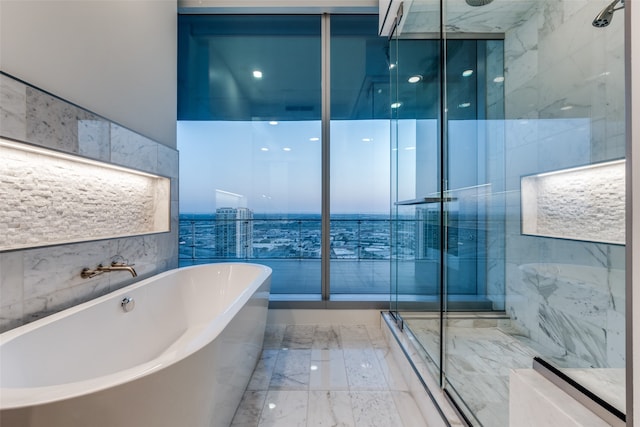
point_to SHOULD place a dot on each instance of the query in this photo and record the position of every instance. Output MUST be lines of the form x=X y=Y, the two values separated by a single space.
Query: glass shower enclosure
x=507 y=186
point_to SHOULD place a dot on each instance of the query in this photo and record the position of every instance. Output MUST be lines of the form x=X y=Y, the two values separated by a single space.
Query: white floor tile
x=264 y=369
x=408 y=409
x=363 y=370
x=298 y=336
x=316 y=375
x=250 y=408
x=330 y=408
x=285 y=408
x=326 y=337
x=329 y=374
x=391 y=370
x=291 y=371
x=374 y=409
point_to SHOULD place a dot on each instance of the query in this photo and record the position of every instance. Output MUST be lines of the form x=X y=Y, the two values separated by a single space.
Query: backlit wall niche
x=584 y=203
x=54 y=198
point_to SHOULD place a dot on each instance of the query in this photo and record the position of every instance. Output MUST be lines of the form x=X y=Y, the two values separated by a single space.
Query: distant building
x=234 y=231
x=427 y=233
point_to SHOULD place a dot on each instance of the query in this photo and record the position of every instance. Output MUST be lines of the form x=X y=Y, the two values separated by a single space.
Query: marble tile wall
x=41 y=281
x=564 y=94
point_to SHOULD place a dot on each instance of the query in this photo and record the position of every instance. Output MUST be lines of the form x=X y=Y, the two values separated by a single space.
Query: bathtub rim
x=195 y=337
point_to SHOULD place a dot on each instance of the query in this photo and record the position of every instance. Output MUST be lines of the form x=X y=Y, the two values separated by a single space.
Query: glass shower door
x=416 y=189
x=534 y=149
x=508 y=141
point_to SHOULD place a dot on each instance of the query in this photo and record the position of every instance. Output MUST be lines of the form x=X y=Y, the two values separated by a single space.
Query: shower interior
x=524 y=91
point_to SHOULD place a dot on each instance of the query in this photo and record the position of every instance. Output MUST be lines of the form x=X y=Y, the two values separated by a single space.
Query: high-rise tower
x=234 y=231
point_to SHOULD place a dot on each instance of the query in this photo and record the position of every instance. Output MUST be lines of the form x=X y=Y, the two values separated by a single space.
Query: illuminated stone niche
x=51 y=198
x=585 y=203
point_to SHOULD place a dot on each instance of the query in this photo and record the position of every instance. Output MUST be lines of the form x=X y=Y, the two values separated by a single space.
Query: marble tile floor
x=479 y=360
x=316 y=375
x=480 y=356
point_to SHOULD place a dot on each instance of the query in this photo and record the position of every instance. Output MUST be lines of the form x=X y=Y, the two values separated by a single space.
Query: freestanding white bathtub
x=181 y=357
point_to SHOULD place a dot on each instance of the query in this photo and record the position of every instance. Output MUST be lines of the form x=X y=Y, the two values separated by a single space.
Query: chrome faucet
x=115 y=266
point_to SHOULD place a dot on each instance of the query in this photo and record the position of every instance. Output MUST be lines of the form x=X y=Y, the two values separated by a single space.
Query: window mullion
x=326 y=119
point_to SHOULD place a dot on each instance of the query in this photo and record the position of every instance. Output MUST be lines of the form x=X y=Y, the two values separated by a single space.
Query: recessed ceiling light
x=566 y=107
x=273 y=123
x=286 y=149
x=414 y=79
x=367 y=139
x=499 y=79
x=257 y=74
x=315 y=138
x=392 y=66
x=396 y=105
x=264 y=149
x=464 y=105
x=467 y=73
x=409 y=148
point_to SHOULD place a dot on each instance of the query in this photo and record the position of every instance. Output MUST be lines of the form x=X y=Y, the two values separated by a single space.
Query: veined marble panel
x=584 y=340
x=133 y=150
x=67 y=263
x=581 y=291
x=52 y=122
x=168 y=161
x=13 y=108
x=616 y=339
x=11 y=273
x=94 y=139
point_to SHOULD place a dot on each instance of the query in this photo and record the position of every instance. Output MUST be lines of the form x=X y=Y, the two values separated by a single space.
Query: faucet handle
x=88 y=273
x=121 y=264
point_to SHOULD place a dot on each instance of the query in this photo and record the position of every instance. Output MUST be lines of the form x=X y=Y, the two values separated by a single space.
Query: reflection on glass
x=249 y=122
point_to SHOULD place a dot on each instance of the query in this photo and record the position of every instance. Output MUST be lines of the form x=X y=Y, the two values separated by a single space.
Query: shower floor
x=480 y=355
x=478 y=359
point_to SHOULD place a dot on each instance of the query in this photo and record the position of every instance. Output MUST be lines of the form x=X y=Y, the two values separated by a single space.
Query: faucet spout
x=118 y=266
x=87 y=273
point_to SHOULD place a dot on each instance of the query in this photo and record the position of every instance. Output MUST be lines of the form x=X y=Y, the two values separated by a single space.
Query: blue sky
x=275 y=168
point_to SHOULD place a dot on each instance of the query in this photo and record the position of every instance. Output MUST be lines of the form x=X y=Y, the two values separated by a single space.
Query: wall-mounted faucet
x=115 y=266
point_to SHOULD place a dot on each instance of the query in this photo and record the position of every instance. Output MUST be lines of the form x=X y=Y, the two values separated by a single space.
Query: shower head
x=606 y=15
x=478 y=2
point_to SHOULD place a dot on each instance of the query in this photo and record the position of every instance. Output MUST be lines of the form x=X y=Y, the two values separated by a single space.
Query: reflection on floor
x=312 y=375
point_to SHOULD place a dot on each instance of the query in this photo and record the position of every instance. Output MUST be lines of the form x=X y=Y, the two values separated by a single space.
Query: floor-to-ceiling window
x=256 y=175
x=249 y=132
x=359 y=158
